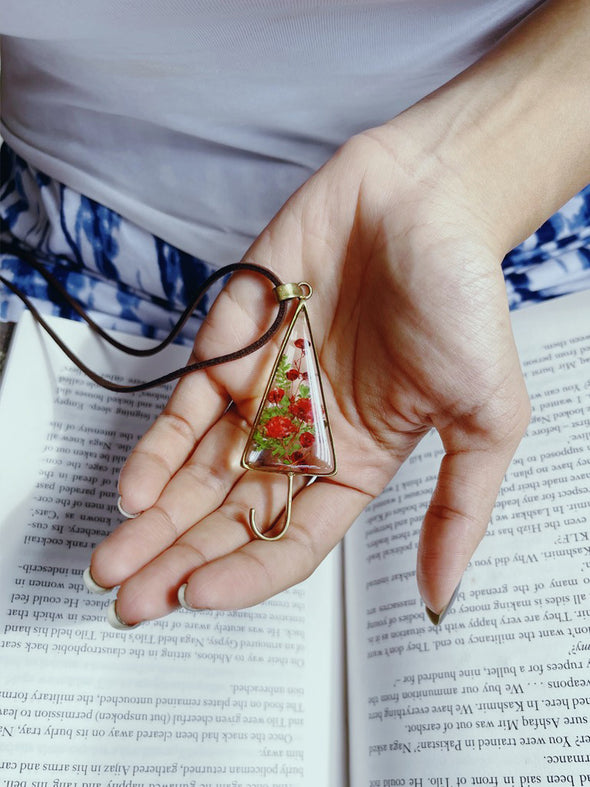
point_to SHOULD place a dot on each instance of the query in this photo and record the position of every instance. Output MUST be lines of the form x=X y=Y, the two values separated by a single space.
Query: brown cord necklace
x=291 y=432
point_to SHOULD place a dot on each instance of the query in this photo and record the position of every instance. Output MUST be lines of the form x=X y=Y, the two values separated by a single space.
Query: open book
x=339 y=681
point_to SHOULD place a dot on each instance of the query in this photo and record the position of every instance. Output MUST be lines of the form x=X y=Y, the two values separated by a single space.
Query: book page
x=499 y=694
x=197 y=698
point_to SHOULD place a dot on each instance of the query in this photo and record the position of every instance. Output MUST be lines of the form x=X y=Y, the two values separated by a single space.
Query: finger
x=224 y=569
x=241 y=314
x=321 y=515
x=196 y=490
x=459 y=513
x=196 y=403
x=152 y=591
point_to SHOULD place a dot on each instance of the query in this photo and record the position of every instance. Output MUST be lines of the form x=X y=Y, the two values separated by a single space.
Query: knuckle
x=235 y=511
x=213 y=477
x=149 y=456
x=178 y=424
x=308 y=558
x=163 y=523
x=195 y=556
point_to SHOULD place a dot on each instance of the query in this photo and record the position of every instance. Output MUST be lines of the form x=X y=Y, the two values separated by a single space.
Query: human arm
x=402 y=233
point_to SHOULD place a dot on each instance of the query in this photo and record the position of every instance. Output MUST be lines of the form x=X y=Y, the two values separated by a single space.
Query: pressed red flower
x=296 y=456
x=300 y=344
x=302 y=409
x=275 y=396
x=279 y=426
x=304 y=375
x=292 y=374
x=307 y=439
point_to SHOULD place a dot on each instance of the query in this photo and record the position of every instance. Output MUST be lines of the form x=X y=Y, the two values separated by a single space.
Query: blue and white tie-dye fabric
x=124 y=277
x=130 y=280
x=555 y=260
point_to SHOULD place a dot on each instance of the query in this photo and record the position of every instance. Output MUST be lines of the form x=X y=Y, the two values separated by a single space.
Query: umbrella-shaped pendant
x=291 y=432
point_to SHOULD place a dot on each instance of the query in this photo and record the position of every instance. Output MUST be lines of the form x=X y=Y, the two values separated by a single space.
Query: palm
x=405 y=343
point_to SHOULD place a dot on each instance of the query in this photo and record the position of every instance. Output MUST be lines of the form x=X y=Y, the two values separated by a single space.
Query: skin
x=402 y=234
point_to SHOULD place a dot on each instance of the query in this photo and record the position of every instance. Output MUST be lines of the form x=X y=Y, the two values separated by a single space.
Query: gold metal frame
x=302 y=291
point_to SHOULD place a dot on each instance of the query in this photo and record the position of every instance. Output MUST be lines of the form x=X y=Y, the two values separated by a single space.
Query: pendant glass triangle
x=291 y=433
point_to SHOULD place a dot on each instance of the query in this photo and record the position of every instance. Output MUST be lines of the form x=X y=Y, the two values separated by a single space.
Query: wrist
x=510 y=133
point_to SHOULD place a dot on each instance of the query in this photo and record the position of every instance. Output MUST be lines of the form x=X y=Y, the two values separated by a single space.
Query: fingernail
x=181 y=599
x=437 y=619
x=114 y=619
x=91 y=585
x=184 y=603
x=126 y=514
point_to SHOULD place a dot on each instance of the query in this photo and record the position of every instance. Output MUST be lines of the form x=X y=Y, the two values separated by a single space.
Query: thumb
x=468 y=483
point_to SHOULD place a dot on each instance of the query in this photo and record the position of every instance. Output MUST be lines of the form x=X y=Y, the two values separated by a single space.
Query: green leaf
x=280 y=376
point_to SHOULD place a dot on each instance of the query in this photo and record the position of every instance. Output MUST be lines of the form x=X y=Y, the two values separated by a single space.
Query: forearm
x=515 y=127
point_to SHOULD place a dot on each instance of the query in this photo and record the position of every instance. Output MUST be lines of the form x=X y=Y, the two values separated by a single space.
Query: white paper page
x=500 y=692
x=195 y=698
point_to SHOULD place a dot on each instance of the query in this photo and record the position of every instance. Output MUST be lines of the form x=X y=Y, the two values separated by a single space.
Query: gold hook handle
x=252 y=520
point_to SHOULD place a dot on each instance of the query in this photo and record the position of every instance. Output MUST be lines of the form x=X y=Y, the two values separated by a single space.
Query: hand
x=412 y=331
